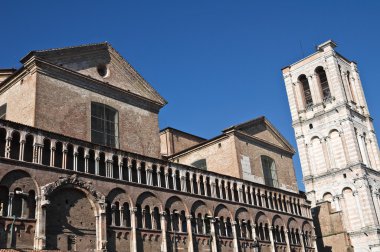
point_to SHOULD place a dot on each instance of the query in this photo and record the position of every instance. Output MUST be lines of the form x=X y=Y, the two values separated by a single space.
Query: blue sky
x=218 y=63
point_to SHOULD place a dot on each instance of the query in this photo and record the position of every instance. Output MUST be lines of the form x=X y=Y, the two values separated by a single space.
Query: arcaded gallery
x=84 y=167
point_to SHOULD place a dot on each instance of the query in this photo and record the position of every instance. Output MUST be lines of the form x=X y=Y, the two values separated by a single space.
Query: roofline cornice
x=262 y=141
x=35 y=64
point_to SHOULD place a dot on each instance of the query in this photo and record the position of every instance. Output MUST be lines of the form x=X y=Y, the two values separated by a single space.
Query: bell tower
x=337 y=144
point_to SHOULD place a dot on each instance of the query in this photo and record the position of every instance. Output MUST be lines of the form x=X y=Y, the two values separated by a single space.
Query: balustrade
x=79 y=156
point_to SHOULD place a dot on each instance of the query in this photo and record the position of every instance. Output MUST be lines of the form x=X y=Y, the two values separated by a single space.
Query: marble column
x=164 y=247
x=213 y=238
x=271 y=239
x=133 y=211
x=189 y=234
x=235 y=238
x=40 y=231
x=287 y=241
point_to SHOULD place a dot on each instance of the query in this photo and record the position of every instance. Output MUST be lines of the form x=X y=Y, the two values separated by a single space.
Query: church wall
x=20 y=99
x=220 y=157
x=249 y=154
x=66 y=109
x=173 y=141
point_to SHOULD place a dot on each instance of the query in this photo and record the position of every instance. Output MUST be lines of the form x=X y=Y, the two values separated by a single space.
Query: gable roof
x=240 y=128
x=254 y=123
x=77 y=58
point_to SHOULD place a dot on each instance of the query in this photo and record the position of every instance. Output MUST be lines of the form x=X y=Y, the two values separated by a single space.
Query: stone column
x=22 y=148
x=10 y=204
x=287 y=241
x=37 y=154
x=240 y=195
x=75 y=165
x=346 y=222
x=52 y=155
x=142 y=218
x=336 y=200
x=166 y=178
x=254 y=235
x=192 y=182
x=228 y=192
x=152 y=220
x=183 y=184
x=102 y=238
x=358 y=207
x=120 y=168
x=296 y=88
x=198 y=185
x=133 y=211
x=377 y=202
x=213 y=189
x=130 y=165
x=97 y=159
x=247 y=195
x=113 y=214
x=220 y=190
x=189 y=234
x=330 y=152
x=347 y=88
x=158 y=177
x=205 y=186
x=164 y=247
x=174 y=179
x=234 y=236
x=40 y=231
x=213 y=241
x=64 y=156
x=138 y=172
x=8 y=141
x=271 y=238
x=86 y=157
x=263 y=201
x=302 y=242
x=121 y=215
x=325 y=154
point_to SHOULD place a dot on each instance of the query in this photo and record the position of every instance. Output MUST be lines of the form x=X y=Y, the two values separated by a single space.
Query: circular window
x=102 y=70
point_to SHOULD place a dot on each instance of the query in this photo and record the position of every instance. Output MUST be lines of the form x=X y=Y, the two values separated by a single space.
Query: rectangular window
x=3 y=111
x=104 y=125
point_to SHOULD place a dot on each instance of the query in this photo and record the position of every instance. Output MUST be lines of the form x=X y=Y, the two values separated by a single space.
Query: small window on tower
x=3 y=111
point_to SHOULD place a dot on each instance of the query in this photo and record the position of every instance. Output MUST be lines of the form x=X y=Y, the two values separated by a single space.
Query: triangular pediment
x=103 y=63
x=262 y=129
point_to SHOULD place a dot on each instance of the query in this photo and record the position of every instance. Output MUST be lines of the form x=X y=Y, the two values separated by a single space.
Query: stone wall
x=66 y=109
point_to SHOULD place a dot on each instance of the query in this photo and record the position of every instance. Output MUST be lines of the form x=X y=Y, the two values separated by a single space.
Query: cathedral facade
x=338 y=149
x=84 y=167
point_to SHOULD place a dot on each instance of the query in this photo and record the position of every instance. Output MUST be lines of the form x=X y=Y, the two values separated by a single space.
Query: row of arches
x=71 y=215
x=331 y=152
x=199 y=220
x=67 y=156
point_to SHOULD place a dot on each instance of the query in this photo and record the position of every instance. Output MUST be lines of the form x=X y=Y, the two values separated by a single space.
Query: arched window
x=104 y=125
x=269 y=170
x=200 y=164
x=322 y=78
x=308 y=100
